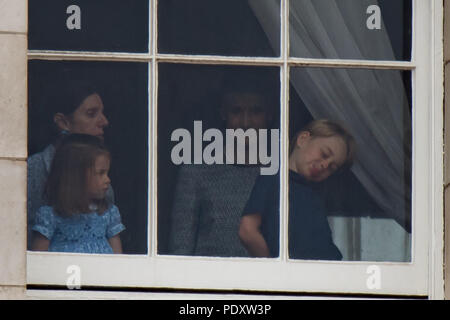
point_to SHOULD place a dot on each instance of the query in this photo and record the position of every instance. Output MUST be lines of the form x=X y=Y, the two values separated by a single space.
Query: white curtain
x=371 y=103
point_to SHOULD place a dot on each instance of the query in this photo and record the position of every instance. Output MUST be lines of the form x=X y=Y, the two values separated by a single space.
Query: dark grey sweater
x=208 y=204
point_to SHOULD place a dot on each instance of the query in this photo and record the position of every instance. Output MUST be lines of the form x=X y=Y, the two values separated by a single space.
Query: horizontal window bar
x=343 y=63
x=208 y=59
x=96 y=56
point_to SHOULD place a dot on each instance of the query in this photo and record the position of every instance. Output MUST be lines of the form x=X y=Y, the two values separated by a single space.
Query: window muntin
x=188 y=269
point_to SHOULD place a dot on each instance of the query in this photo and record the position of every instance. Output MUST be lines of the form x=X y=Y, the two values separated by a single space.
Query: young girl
x=78 y=217
x=318 y=151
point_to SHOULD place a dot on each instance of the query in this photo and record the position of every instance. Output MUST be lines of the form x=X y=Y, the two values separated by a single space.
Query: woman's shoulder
x=42 y=159
x=48 y=151
x=47 y=209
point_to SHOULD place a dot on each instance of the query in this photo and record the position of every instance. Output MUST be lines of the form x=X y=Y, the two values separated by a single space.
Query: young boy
x=316 y=152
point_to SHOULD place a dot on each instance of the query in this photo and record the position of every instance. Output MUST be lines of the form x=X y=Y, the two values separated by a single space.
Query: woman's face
x=317 y=158
x=88 y=118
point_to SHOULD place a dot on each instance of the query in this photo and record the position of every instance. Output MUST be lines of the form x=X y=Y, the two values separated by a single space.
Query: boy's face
x=317 y=158
x=98 y=179
x=245 y=111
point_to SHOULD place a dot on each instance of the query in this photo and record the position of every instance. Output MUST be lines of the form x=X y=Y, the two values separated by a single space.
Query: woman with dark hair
x=76 y=108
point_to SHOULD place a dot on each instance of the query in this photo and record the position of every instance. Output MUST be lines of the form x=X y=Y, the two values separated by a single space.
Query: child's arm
x=116 y=244
x=113 y=229
x=251 y=236
x=40 y=242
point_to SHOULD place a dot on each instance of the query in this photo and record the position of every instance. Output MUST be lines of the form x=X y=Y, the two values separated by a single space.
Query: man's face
x=245 y=111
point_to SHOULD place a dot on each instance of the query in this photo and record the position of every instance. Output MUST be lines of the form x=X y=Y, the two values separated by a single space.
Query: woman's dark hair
x=67 y=98
x=67 y=181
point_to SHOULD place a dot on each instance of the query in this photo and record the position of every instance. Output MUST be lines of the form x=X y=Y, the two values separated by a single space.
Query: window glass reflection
x=369 y=206
x=198 y=107
x=88 y=157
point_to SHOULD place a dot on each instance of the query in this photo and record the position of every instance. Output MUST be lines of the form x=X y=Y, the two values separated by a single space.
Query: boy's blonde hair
x=326 y=128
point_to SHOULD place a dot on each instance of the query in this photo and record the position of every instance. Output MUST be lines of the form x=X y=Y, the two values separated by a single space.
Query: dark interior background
x=106 y=25
x=214 y=27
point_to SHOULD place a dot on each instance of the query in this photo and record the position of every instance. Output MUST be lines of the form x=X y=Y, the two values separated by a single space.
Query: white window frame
x=423 y=276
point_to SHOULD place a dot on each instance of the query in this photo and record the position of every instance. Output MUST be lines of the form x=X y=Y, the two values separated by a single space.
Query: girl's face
x=98 y=181
x=317 y=158
x=88 y=118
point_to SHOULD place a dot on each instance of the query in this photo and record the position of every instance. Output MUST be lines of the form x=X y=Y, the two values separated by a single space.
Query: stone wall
x=13 y=147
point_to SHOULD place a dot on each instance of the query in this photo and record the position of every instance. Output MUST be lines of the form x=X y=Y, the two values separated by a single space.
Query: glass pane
x=86 y=25
x=69 y=102
x=360 y=209
x=350 y=29
x=219 y=27
x=217 y=127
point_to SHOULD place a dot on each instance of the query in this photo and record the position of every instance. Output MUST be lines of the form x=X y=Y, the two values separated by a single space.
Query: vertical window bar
x=151 y=28
x=284 y=132
x=413 y=30
x=152 y=172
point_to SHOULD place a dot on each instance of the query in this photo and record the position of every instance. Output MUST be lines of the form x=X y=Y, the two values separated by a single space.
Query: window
x=178 y=78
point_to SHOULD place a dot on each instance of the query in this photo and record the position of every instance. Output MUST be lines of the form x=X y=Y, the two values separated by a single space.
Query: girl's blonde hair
x=326 y=128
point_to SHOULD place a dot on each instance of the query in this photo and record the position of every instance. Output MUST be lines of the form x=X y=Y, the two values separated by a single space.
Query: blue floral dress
x=83 y=233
